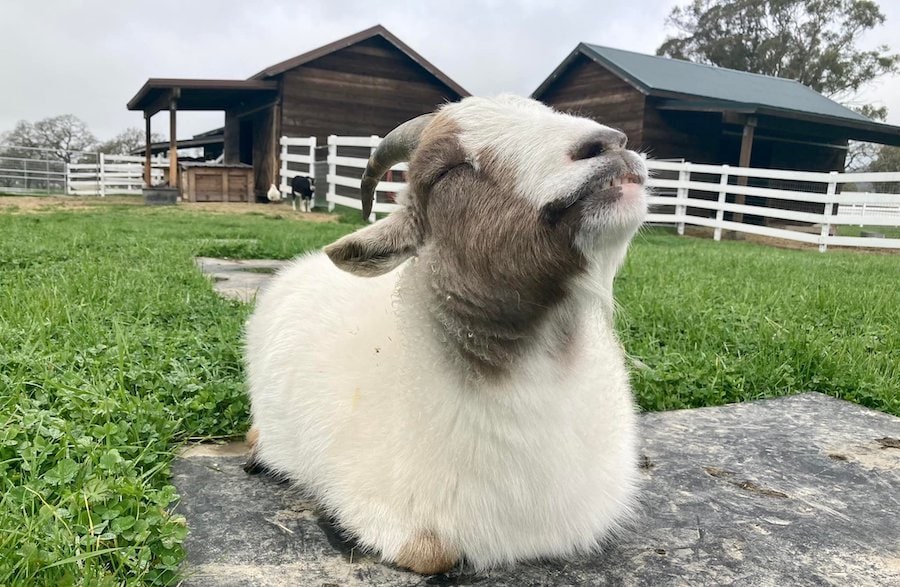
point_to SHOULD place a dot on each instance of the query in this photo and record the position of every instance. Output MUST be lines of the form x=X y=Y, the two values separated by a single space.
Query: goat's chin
x=616 y=218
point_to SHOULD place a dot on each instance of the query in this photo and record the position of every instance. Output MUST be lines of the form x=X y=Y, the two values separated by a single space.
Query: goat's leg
x=253 y=465
x=425 y=554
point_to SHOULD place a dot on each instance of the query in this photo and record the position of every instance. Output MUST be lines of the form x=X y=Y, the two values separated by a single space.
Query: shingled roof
x=683 y=85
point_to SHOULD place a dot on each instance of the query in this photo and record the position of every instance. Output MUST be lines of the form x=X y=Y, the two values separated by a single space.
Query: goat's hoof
x=254 y=467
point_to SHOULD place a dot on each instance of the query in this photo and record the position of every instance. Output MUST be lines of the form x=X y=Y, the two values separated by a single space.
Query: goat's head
x=505 y=188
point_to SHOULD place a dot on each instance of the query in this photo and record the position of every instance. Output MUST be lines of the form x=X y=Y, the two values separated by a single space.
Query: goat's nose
x=598 y=143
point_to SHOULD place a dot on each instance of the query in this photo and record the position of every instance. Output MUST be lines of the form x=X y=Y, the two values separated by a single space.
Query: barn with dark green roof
x=675 y=109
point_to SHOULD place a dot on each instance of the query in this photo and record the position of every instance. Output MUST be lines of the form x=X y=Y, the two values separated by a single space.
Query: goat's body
x=393 y=439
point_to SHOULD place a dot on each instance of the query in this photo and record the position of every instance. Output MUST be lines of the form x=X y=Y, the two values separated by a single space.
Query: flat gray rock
x=802 y=490
x=239 y=279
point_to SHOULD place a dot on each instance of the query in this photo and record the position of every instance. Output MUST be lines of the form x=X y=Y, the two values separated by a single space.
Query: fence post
x=681 y=194
x=312 y=160
x=720 y=211
x=101 y=176
x=282 y=176
x=25 y=171
x=332 y=171
x=829 y=211
x=374 y=141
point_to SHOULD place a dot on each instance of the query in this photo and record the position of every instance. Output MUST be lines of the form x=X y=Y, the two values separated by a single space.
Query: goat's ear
x=376 y=249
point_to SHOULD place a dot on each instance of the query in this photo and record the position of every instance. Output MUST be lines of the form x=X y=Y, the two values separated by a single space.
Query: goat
x=465 y=397
x=305 y=187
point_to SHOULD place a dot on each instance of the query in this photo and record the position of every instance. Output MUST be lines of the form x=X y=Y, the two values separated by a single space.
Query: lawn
x=114 y=350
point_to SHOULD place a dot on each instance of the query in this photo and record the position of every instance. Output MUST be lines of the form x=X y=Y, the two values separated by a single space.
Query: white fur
x=530 y=137
x=372 y=425
x=376 y=423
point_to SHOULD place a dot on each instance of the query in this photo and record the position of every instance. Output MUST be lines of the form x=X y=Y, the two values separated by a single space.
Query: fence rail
x=112 y=174
x=811 y=213
x=38 y=170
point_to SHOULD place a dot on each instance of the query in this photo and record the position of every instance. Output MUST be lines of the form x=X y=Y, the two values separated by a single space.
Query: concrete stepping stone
x=801 y=490
x=239 y=279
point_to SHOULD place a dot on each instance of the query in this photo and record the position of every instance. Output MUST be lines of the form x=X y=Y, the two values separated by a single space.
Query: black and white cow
x=304 y=186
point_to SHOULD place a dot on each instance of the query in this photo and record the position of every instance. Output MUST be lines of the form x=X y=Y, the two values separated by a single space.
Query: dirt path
x=43 y=204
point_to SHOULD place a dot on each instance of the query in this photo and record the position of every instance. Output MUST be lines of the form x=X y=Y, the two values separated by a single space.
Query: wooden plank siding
x=590 y=90
x=364 y=89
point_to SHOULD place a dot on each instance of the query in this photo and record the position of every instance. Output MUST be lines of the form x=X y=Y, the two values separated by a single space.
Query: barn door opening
x=245 y=148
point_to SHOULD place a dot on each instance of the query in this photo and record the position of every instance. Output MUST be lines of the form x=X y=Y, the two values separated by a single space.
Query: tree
x=22 y=135
x=811 y=41
x=63 y=136
x=888 y=159
x=860 y=155
x=127 y=141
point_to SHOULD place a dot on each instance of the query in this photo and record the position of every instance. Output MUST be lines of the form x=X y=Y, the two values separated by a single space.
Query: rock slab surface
x=801 y=490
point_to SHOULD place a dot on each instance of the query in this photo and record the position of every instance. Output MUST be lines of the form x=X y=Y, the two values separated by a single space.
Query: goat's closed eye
x=444 y=172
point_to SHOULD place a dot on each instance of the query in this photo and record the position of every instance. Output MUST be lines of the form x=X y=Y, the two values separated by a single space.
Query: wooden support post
x=744 y=161
x=173 y=139
x=148 y=179
x=276 y=146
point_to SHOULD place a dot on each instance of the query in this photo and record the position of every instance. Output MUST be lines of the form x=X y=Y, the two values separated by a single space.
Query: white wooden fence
x=336 y=181
x=687 y=197
x=293 y=164
x=112 y=174
x=793 y=205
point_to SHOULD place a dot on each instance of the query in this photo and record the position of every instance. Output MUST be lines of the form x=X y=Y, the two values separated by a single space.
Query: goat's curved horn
x=396 y=147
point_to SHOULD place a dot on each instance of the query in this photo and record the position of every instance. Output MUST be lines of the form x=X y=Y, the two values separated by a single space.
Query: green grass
x=887 y=231
x=114 y=350
x=718 y=322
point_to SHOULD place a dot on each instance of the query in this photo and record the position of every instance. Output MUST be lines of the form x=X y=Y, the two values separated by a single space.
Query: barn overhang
x=202 y=94
x=777 y=118
x=196 y=95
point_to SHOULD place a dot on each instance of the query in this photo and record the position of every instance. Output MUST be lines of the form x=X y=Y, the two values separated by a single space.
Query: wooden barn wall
x=692 y=136
x=587 y=89
x=365 y=89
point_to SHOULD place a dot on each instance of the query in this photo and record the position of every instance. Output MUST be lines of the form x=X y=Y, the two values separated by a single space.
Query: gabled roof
x=694 y=86
x=376 y=30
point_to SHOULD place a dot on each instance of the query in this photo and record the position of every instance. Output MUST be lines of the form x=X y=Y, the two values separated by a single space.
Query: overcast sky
x=89 y=57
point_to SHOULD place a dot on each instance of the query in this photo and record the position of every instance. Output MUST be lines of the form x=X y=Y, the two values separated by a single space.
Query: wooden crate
x=217 y=183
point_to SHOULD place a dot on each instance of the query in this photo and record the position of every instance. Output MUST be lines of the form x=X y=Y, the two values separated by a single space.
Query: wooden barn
x=674 y=109
x=365 y=84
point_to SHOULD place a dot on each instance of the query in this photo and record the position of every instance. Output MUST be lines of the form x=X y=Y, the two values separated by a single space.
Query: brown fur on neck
x=496 y=267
